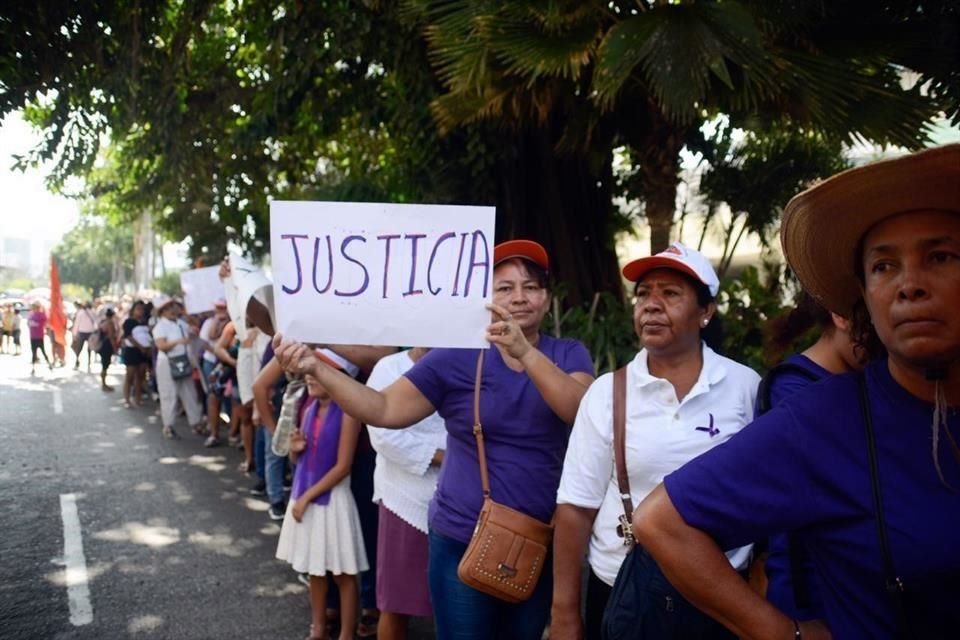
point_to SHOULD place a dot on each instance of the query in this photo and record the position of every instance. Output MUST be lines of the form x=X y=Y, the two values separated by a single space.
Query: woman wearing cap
x=172 y=335
x=879 y=244
x=532 y=385
x=682 y=399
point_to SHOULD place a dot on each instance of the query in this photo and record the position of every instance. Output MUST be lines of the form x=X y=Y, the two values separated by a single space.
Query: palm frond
x=680 y=52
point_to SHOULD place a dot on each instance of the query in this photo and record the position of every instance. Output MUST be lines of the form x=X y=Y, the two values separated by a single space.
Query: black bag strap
x=624 y=530
x=892 y=581
x=766 y=383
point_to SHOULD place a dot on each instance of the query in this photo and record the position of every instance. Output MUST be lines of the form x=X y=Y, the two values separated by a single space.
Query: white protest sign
x=201 y=288
x=382 y=274
x=245 y=281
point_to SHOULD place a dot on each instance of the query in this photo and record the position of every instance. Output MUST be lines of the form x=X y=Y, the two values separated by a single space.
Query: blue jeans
x=463 y=613
x=270 y=467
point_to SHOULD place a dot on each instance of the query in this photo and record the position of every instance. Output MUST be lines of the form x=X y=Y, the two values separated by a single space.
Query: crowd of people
x=667 y=484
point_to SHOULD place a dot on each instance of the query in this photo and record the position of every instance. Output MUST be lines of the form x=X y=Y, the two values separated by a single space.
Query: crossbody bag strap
x=892 y=581
x=624 y=529
x=478 y=429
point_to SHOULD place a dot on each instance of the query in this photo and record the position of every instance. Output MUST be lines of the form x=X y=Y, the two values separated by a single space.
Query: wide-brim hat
x=823 y=226
x=161 y=302
x=678 y=257
x=524 y=249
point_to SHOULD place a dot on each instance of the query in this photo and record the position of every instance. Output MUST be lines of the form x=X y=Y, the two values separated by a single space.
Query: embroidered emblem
x=713 y=431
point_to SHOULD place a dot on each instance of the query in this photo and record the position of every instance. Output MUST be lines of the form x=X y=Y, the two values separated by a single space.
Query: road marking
x=78 y=590
x=57 y=401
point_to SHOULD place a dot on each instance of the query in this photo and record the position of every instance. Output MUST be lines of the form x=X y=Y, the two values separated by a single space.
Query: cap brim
x=638 y=268
x=525 y=249
x=823 y=226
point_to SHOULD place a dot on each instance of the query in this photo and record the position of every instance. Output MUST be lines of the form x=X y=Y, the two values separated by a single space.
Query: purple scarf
x=320 y=454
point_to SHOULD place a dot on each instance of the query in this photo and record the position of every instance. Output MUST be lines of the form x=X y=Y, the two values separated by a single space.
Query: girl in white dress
x=321 y=529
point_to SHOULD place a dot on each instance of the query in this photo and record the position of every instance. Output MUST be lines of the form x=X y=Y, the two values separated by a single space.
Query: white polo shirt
x=662 y=435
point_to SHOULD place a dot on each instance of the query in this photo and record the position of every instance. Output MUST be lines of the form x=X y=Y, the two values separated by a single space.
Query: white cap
x=337 y=361
x=679 y=258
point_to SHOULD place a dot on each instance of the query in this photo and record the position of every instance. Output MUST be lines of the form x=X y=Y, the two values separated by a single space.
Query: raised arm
x=397 y=406
x=561 y=391
x=267 y=377
x=698 y=568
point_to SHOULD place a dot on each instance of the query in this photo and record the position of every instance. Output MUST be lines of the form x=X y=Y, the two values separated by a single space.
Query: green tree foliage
x=91 y=254
x=214 y=107
x=646 y=74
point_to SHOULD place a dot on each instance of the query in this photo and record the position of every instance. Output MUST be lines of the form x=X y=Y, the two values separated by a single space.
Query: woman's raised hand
x=294 y=357
x=505 y=331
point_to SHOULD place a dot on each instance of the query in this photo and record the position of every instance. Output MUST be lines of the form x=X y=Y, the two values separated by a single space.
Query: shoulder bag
x=180 y=366
x=643 y=605
x=508 y=549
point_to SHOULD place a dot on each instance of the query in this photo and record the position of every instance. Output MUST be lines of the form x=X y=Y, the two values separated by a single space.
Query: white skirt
x=328 y=539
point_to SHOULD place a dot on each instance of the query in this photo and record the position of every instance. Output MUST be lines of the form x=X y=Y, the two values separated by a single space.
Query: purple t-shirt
x=37 y=321
x=780 y=583
x=804 y=467
x=525 y=441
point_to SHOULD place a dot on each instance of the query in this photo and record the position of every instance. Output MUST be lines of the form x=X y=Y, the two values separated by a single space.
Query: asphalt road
x=111 y=531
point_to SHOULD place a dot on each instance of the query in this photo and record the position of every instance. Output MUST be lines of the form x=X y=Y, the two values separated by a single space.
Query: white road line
x=78 y=591
x=57 y=401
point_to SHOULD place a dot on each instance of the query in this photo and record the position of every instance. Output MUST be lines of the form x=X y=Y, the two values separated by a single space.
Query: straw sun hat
x=823 y=226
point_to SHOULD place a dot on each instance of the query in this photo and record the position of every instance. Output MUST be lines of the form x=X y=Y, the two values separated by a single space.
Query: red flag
x=58 y=319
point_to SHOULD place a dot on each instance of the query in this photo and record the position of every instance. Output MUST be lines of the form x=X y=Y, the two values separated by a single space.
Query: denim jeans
x=463 y=613
x=270 y=467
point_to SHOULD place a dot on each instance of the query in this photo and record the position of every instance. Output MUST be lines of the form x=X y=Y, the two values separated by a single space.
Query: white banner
x=382 y=274
x=201 y=288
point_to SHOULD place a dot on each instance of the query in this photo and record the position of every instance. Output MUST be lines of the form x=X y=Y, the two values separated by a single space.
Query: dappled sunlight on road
x=223 y=543
x=210 y=463
x=156 y=536
x=145 y=624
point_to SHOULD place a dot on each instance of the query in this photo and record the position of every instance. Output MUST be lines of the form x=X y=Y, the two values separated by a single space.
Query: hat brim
x=635 y=270
x=524 y=249
x=822 y=227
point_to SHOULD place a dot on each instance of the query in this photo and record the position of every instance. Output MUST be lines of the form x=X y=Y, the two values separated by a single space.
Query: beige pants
x=171 y=390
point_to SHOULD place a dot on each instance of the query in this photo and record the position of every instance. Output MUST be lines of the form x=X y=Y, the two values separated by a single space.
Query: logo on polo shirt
x=713 y=431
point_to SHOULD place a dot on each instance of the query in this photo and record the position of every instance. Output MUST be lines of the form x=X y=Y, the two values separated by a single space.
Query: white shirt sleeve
x=412 y=448
x=588 y=465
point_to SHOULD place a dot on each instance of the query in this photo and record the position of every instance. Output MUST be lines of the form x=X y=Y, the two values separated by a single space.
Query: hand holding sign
x=294 y=357
x=506 y=332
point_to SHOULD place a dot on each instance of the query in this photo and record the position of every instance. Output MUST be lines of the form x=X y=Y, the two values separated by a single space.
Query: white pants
x=171 y=389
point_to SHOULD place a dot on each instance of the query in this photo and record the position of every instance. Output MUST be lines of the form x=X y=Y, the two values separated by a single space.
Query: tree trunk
x=562 y=200
x=659 y=173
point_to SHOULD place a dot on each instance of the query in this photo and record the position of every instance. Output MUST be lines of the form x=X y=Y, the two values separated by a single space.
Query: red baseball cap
x=525 y=249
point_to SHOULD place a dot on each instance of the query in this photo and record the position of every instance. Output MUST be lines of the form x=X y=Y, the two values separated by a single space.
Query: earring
x=705 y=322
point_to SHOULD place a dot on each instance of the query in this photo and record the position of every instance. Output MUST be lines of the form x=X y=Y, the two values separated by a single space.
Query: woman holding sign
x=531 y=385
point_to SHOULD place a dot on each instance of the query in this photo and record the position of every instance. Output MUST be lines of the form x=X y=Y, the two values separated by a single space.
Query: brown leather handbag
x=508 y=549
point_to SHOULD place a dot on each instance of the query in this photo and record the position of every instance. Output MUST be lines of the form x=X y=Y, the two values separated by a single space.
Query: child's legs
x=349 y=588
x=318 y=603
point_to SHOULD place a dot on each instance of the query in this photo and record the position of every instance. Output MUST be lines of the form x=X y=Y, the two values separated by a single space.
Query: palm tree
x=568 y=81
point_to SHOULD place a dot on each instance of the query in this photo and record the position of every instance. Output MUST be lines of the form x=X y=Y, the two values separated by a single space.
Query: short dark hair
x=530 y=269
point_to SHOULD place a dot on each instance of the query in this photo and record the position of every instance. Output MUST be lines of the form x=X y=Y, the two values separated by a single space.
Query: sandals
x=314 y=635
x=367 y=626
